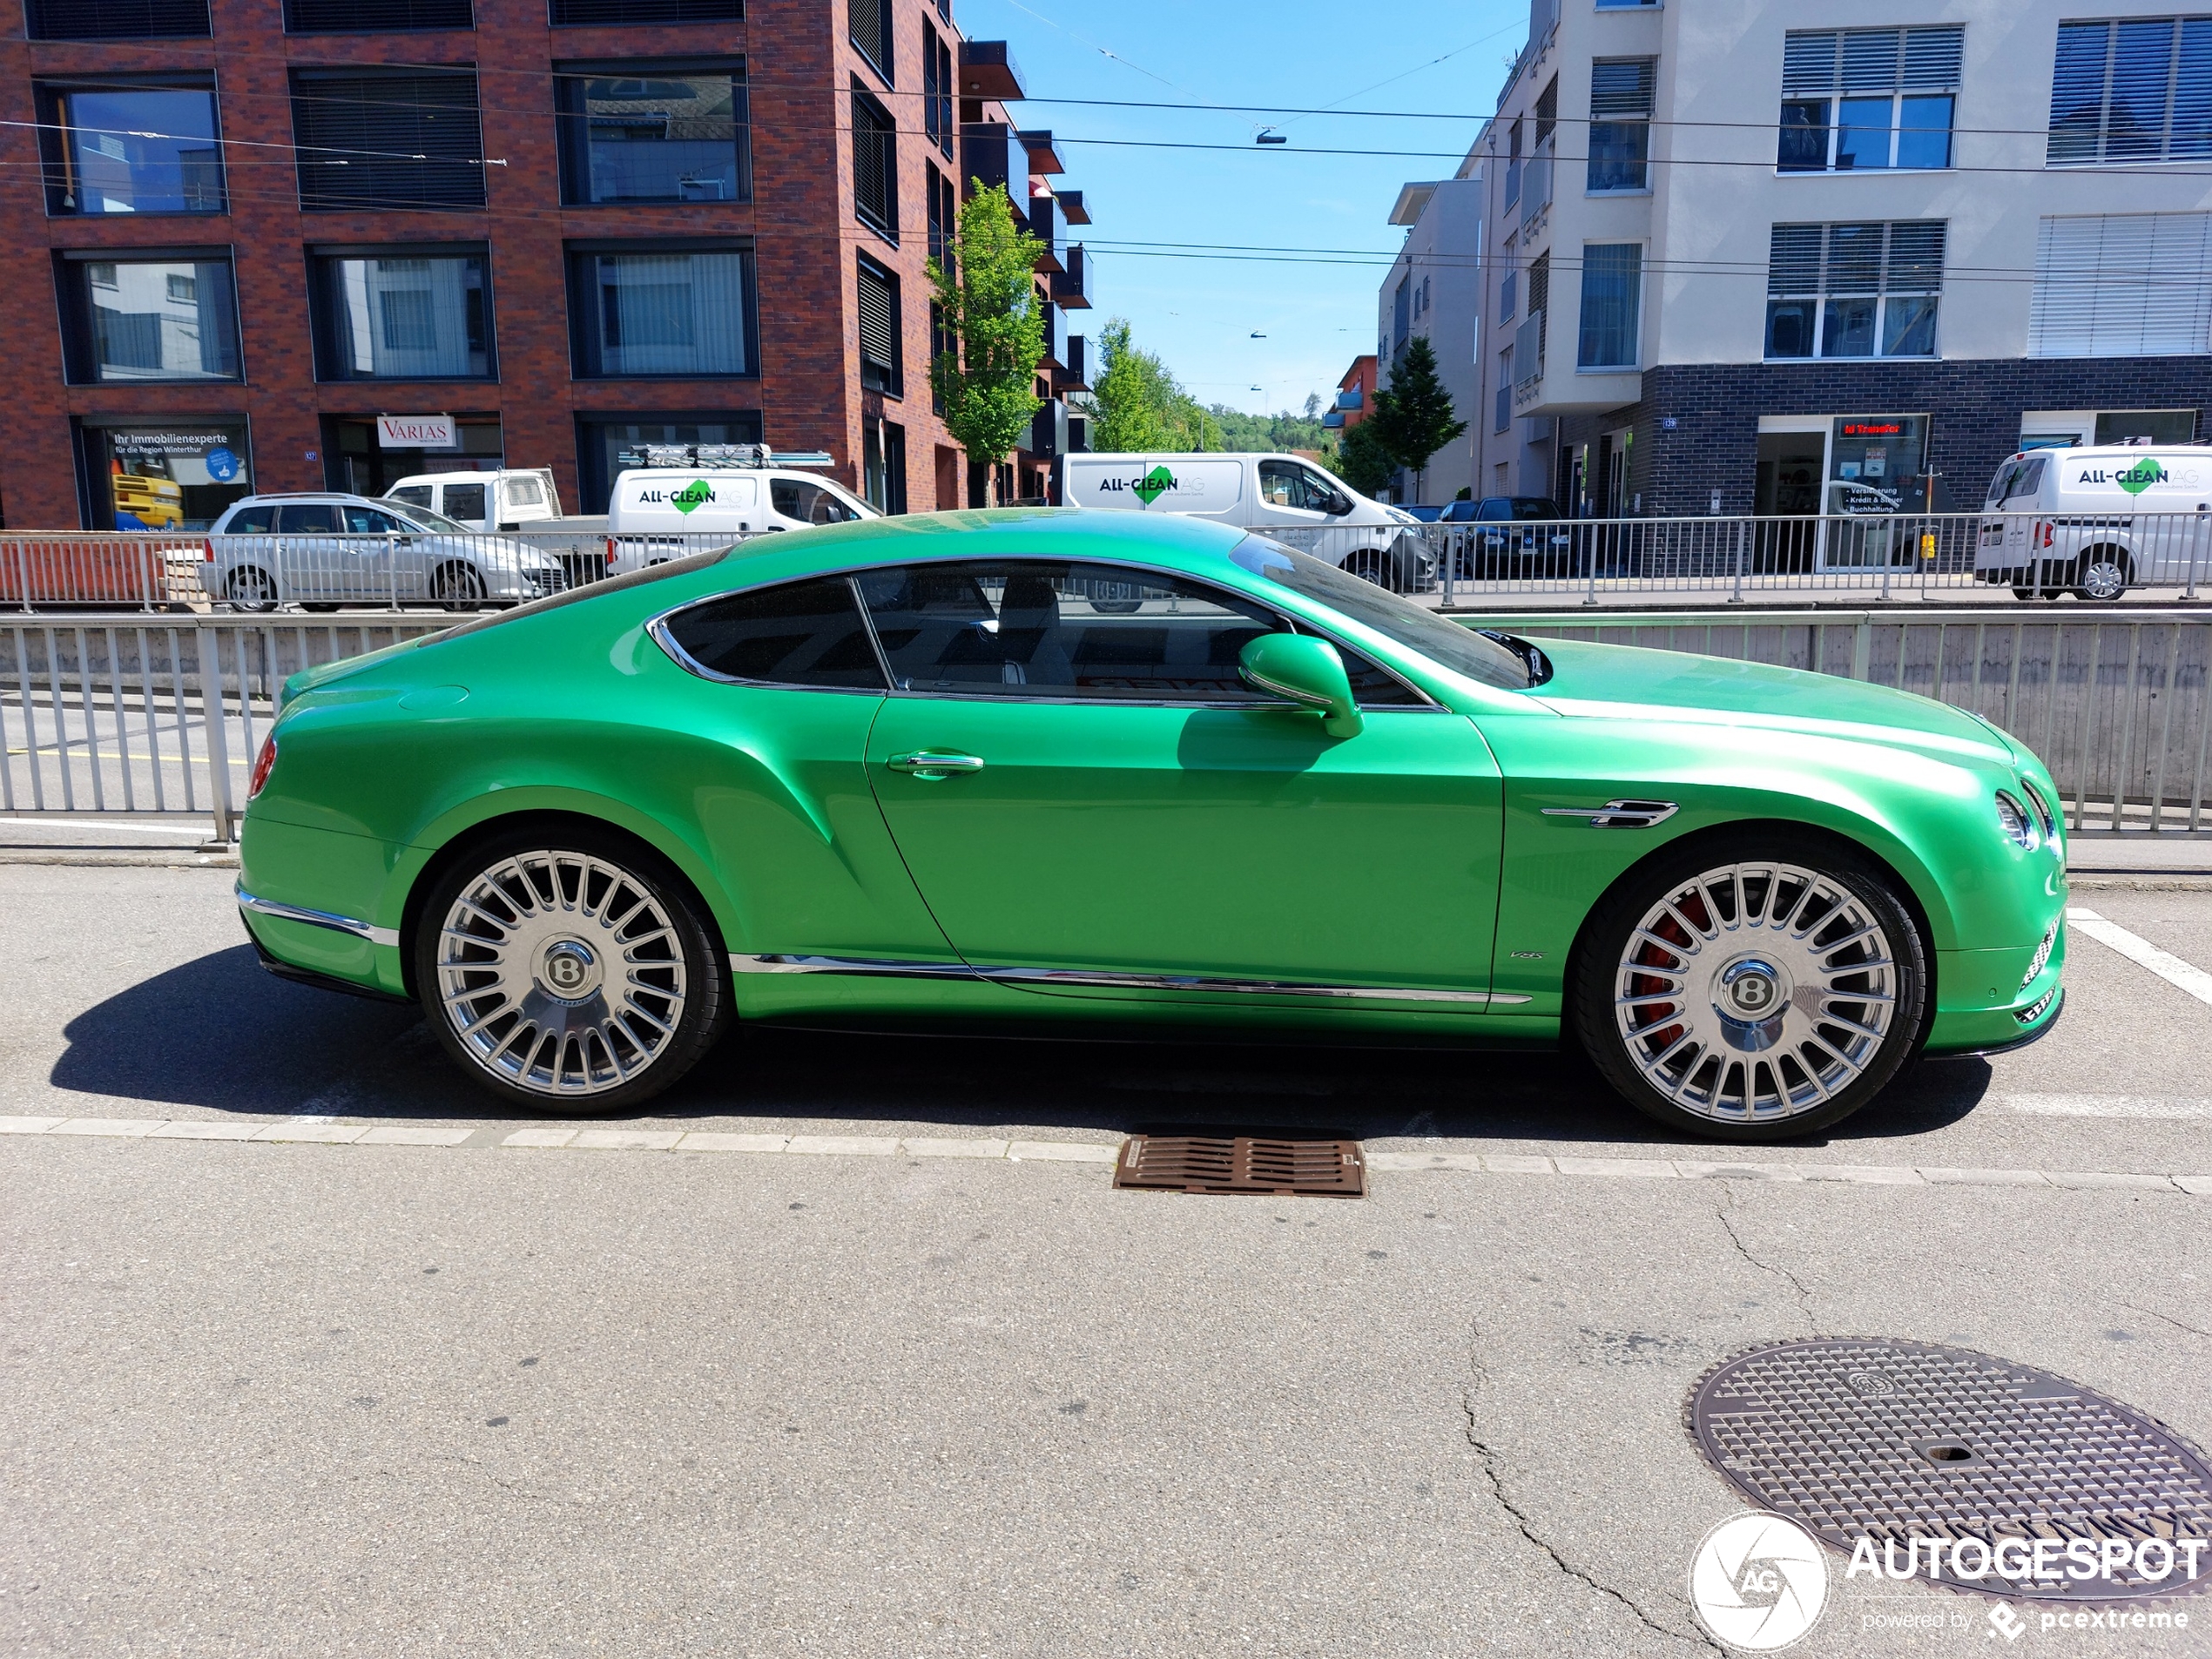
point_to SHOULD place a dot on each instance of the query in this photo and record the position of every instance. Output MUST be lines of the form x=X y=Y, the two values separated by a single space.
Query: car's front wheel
x=572 y=972
x=457 y=587
x=1752 y=991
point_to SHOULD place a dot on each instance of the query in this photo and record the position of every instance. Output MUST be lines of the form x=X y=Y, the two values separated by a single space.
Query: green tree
x=1283 y=430
x=1413 y=419
x=1363 y=461
x=987 y=302
x=1138 y=404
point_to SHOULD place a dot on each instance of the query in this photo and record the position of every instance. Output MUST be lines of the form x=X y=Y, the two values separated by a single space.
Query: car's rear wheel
x=572 y=972
x=249 y=588
x=2103 y=576
x=457 y=587
x=1752 y=991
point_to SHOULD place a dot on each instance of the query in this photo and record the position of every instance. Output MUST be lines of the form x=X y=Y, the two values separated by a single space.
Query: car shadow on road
x=221 y=1033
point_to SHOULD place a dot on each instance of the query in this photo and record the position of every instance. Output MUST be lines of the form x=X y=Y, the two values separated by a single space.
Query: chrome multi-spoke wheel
x=568 y=978
x=1757 y=995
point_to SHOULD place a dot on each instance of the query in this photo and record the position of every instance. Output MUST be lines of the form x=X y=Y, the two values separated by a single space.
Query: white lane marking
x=60 y=822
x=919 y=1146
x=2105 y=1106
x=2142 y=953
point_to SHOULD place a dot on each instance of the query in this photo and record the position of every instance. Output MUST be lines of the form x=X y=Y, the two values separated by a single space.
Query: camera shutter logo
x=1758 y=1581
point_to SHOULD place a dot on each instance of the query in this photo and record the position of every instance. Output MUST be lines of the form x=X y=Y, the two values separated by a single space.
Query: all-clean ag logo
x=1758 y=1581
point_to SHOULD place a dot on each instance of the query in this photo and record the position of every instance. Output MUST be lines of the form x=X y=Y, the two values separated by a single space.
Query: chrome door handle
x=932 y=767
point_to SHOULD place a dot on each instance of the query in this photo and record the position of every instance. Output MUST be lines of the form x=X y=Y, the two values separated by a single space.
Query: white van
x=1287 y=497
x=661 y=513
x=2097 y=521
x=513 y=499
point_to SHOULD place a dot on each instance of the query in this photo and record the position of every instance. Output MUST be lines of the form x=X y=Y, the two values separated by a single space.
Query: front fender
x=1929 y=819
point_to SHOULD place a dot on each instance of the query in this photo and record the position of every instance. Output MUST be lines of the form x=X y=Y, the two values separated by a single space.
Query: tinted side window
x=366 y=521
x=1095 y=631
x=413 y=494
x=464 y=501
x=251 y=520
x=808 y=503
x=308 y=518
x=804 y=633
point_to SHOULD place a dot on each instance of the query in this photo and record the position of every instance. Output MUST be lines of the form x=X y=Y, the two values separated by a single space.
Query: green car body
x=1166 y=861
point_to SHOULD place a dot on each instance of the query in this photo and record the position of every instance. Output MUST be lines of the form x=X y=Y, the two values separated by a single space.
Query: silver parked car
x=320 y=551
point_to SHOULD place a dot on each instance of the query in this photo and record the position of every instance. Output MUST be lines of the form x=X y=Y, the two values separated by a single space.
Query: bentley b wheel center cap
x=1751 y=994
x=568 y=969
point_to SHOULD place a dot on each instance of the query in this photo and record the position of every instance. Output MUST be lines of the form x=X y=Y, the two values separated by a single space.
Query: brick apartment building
x=320 y=244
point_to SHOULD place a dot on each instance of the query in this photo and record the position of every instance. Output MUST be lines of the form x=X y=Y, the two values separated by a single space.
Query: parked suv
x=320 y=551
x=1486 y=554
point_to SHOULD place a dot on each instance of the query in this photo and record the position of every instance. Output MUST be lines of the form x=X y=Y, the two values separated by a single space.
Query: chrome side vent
x=1619 y=814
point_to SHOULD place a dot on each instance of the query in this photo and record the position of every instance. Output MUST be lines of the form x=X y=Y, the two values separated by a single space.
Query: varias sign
x=417 y=432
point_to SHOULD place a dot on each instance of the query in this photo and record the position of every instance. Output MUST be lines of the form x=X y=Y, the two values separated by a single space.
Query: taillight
x=207 y=552
x=263 y=764
x=2046 y=529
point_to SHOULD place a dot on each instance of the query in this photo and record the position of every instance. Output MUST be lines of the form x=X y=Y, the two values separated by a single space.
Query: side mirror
x=1304 y=671
x=1340 y=504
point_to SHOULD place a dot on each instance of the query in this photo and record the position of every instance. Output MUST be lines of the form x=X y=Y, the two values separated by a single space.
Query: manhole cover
x=1243 y=1164
x=1895 y=1442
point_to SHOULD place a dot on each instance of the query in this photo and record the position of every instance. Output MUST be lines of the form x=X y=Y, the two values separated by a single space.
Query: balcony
x=1071 y=206
x=1333 y=419
x=1072 y=375
x=988 y=69
x=1071 y=288
x=990 y=151
x=1048 y=430
x=1043 y=159
x=1536 y=185
x=1352 y=398
x=1056 y=339
x=1044 y=224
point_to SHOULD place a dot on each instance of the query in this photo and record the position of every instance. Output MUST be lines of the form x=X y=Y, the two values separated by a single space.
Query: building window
x=387 y=138
x=653 y=135
x=413 y=317
x=1540 y=303
x=1508 y=293
x=2135 y=88
x=1612 y=300
x=163 y=318
x=1502 y=419
x=599 y=13
x=661 y=312
x=116 y=19
x=163 y=475
x=870 y=21
x=1621 y=123
x=1626 y=5
x=944 y=213
x=1401 y=316
x=374 y=17
x=875 y=165
x=881 y=366
x=937 y=85
x=1856 y=100
x=883 y=466
x=2122 y=285
x=1854 y=290
x=99 y=159
x=1513 y=162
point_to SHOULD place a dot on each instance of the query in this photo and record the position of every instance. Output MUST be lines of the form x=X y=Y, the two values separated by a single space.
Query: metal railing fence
x=130 y=714
x=1881 y=558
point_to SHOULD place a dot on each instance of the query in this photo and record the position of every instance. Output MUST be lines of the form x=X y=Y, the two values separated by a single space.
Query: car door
x=377 y=547
x=1092 y=802
x=1293 y=504
x=311 y=552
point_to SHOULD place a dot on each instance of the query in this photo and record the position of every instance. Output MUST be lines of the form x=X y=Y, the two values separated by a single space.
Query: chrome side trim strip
x=793 y=964
x=318 y=919
x=1112 y=980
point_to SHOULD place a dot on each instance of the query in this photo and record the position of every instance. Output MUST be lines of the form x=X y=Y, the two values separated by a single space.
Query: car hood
x=1617 y=682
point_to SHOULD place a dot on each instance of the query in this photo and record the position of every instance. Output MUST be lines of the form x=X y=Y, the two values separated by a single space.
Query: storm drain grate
x=1243 y=1164
x=1893 y=1441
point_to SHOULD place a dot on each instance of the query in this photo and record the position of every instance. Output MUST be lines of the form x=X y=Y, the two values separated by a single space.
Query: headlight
x=2043 y=811
x=2014 y=820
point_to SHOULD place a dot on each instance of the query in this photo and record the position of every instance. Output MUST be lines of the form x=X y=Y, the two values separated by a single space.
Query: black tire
x=320 y=607
x=674 y=1004
x=1366 y=564
x=457 y=587
x=2025 y=594
x=1729 y=1045
x=250 y=588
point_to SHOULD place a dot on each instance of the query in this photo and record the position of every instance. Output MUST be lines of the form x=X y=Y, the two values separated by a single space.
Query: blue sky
x=1199 y=313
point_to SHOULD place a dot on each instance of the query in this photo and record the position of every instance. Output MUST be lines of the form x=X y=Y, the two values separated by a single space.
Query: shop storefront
x=1871 y=467
x=365 y=454
x=161 y=476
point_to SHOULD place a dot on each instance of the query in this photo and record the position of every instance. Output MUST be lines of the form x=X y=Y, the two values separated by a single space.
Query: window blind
x=115 y=19
x=2122 y=285
x=878 y=308
x=1622 y=86
x=618 y=13
x=2137 y=89
x=374 y=17
x=410 y=139
x=1820 y=62
x=1901 y=257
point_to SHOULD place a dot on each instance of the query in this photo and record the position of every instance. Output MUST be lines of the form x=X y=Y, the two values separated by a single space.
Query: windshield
x=429 y=520
x=1460 y=650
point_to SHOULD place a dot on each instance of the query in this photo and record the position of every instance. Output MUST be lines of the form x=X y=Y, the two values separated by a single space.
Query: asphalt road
x=477 y=1397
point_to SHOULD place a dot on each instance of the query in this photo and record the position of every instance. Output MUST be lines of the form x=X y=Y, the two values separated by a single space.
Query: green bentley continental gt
x=1057 y=770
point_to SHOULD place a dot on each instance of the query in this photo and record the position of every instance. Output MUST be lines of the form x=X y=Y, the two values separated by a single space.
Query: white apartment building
x=1754 y=256
x=1435 y=289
